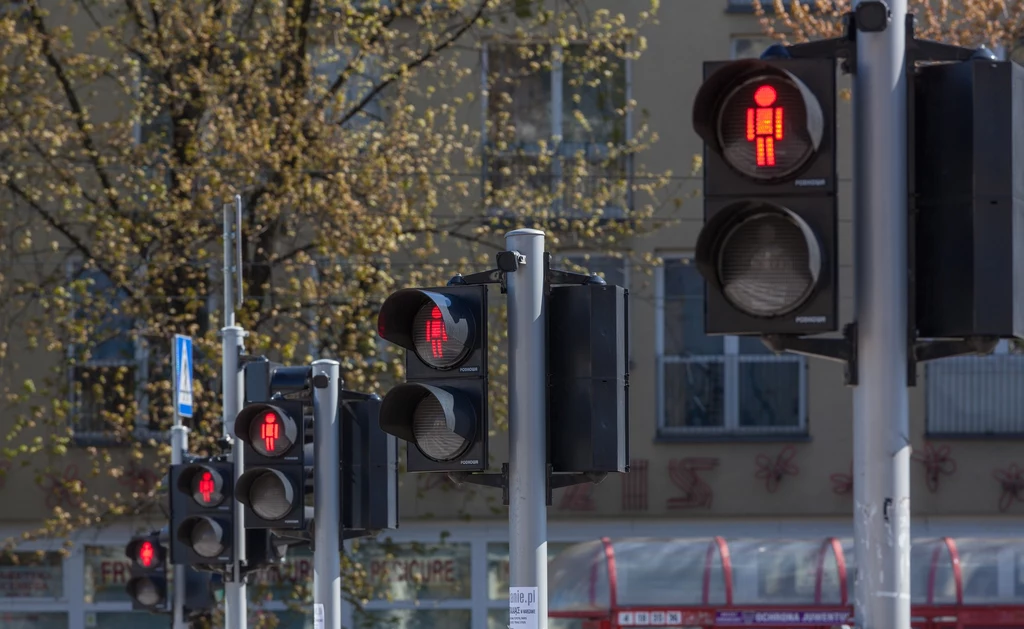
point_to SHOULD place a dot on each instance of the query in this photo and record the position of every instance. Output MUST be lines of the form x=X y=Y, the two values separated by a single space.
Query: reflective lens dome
x=206 y=488
x=206 y=538
x=268 y=434
x=431 y=432
x=769 y=264
x=146 y=592
x=270 y=496
x=438 y=344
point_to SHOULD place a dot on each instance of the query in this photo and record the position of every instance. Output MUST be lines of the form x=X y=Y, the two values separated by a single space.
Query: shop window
x=498 y=619
x=32 y=620
x=31 y=575
x=290 y=581
x=414 y=619
x=415 y=571
x=498 y=570
x=117 y=620
x=107 y=571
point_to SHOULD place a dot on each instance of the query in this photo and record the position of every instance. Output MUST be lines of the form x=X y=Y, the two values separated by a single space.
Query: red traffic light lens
x=763 y=128
x=438 y=344
x=268 y=436
x=206 y=488
x=147 y=555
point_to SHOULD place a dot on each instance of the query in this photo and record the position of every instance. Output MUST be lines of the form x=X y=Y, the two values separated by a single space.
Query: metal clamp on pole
x=327 y=495
x=527 y=482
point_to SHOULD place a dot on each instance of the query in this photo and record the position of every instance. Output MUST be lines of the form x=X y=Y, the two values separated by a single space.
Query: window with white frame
x=718 y=385
x=106 y=375
x=976 y=395
x=551 y=116
x=749 y=46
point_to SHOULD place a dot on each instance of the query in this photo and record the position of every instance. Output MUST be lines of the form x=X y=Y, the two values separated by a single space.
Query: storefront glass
x=288 y=582
x=414 y=619
x=413 y=571
x=32 y=620
x=31 y=575
x=498 y=619
x=107 y=571
x=497 y=567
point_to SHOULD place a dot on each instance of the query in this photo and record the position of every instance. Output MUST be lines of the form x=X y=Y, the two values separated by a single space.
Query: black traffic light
x=202 y=513
x=768 y=248
x=369 y=470
x=147 y=585
x=441 y=409
x=588 y=379
x=272 y=487
x=968 y=121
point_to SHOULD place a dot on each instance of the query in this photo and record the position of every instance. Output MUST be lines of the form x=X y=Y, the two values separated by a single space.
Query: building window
x=551 y=119
x=106 y=374
x=749 y=46
x=364 y=75
x=718 y=385
x=976 y=395
x=31 y=575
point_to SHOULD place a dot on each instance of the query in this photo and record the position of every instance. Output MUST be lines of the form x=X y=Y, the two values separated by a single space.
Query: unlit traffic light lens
x=206 y=538
x=763 y=128
x=147 y=593
x=431 y=431
x=270 y=496
x=206 y=489
x=768 y=264
x=268 y=436
x=437 y=344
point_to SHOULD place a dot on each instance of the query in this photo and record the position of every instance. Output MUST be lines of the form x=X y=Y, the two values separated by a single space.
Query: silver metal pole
x=881 y=434
x=527 y=481
x=326 y=495
x=179 y=446
x=233 y=390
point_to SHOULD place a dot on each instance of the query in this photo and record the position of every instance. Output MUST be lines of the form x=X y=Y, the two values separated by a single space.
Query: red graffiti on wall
x=774 y=470
x=694 y=491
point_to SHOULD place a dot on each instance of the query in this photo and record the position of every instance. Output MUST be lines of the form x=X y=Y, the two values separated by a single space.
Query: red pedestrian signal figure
x=764 y=124
x=206 y=486
x=146 y=553
x=437 y=334
x=270 y=431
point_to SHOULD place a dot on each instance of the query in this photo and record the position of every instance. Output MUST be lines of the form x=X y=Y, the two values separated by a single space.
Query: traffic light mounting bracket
x=842 y=350
x=554 y=481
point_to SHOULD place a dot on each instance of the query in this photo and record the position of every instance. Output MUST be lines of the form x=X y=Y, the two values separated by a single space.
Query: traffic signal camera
x=147 y=584
x=272 y=487
x=202 y=513
x=441 y=409
x=768 y=247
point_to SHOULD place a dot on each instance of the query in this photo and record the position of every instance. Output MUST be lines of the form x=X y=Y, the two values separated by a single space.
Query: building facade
x=726 y=438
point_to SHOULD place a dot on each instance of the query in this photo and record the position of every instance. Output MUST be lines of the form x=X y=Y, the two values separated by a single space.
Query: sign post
x=181 y=374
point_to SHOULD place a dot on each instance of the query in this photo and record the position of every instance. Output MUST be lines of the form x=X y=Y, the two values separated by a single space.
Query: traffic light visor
x=204 y=484
x=438 y=422
x=269 y=430
x=204 y=535
x=765 y=258
x=764 y=121
x=432 y=324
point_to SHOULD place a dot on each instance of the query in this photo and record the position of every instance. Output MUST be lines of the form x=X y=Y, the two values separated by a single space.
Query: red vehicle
x=706 y=583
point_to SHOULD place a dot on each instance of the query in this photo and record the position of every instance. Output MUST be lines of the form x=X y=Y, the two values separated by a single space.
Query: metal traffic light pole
x=235 y=603
x=179 y=446
x=527 y=427
x=326 y=495
x=881 y=439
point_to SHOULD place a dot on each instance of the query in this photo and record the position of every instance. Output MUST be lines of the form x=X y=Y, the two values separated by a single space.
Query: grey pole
x=179 y=446
x=881 y=443
x=233 y=390
x=326 y=495
x=527 y=409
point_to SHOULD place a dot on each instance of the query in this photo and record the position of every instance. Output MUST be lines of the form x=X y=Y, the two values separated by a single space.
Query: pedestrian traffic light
x=768 y=248
x=147 y=583
x=441 y=409
x=369 y=471
x=272 y=487
x=202 y=513
x=588 y=379
x=968 y=155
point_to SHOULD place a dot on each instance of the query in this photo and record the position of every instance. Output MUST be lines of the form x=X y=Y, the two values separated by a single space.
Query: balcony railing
x=577 y=181
x=976 y=395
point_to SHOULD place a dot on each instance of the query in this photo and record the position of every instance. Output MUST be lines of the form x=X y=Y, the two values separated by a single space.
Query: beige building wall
x=966 y=413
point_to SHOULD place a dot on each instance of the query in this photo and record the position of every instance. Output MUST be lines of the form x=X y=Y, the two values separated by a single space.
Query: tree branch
x=76 y=106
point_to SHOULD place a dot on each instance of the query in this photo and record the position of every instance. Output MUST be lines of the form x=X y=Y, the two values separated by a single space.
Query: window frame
x=731 y=358
x=556 y=114
x=734 y=38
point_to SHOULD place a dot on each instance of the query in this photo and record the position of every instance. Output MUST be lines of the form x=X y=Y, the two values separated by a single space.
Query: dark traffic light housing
x=272 y=487
x=768 y=248
x=147 y=583
x=969 y=165
x=441 y=410
x=202 y=513
x=369 y=468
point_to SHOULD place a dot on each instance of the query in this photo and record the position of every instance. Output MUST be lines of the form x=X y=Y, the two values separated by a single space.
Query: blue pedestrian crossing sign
x=183 y=374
